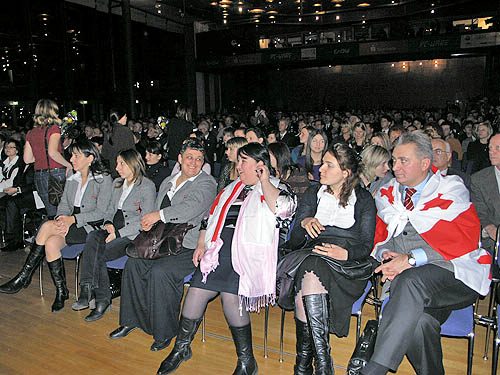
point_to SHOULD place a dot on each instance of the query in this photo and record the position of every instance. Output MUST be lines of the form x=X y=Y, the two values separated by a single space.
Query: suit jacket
x=485 y=196
x=465 y=177
x=189 y=204
x=95 y=200
x=26 y=179
x=289 y=139
x=138 y=203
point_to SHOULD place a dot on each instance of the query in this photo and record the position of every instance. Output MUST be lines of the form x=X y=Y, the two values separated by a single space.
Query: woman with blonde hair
x=132 y=197
x=374 y=168
x=381 y=139
x=360 y=140
x=43 y=147
x=229 y=173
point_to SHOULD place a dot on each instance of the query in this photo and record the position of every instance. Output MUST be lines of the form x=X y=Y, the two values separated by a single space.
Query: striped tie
x=408 y=202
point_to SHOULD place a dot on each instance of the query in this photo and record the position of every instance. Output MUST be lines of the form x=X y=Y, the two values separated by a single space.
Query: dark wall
x=420 y=83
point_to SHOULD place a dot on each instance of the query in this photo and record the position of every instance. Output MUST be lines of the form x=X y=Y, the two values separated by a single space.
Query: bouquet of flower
x=162 y=122
x=69 y=121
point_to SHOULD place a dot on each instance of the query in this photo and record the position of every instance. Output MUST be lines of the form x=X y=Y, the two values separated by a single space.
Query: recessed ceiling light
x=256 y=10
x=317 y=5
x=272 y=12
x=338 y=5
x=361 y=5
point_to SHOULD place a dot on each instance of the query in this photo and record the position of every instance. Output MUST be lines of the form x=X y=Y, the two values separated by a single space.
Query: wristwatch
x=411 y=260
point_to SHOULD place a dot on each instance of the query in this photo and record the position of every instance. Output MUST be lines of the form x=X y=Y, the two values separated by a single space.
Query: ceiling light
x=361 y=5
x=225 y=1
x=214 y=3
x=256 y=10
x=317 y=5
x=338 y=5
x=272 y=17
x=338 y=1
x=272 y=12
x=224 y=5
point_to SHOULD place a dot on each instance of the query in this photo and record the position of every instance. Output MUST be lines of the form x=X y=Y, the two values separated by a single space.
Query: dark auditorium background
x=218 y=56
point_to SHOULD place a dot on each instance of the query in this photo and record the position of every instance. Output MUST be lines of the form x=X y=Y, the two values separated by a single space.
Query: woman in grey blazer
x=83 y=205
x=132 y=197
x=152 y=289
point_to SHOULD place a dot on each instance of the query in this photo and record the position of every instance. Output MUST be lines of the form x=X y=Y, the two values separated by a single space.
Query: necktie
x=408 y=202
x=244 y=192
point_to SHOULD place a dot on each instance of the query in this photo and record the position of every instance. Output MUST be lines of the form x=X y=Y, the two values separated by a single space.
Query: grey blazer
x=138 y=203
x=486 y=198
x=189 y=204
x=94 y=202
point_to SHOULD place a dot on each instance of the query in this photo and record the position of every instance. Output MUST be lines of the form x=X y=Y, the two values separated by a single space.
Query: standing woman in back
x=46 y=131
x=120 y=138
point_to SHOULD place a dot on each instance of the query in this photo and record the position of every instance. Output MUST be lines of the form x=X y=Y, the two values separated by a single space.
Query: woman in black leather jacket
x=338 y=217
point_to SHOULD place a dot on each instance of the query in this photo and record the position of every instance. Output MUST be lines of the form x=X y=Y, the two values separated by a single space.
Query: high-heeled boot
x=303 y=361
x=316 y=307
x=182 y=347
x=85 y=299
x=58 y=274
x=23 y=278
x=242 y=336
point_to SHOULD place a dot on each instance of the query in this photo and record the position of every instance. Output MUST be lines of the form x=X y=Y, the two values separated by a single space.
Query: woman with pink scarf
x=237 y=255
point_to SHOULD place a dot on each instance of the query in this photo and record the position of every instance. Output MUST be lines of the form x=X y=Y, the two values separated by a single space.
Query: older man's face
x=409 y=168
x=441 y=157
x=494 y=150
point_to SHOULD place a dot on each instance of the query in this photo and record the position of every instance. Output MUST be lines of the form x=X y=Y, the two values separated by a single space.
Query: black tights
x=197 y=300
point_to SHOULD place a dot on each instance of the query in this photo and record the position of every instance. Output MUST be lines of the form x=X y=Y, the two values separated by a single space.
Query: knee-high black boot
x=23 y=278
x=58 y=274
x=316 y=307
x=303 y=361
x=242 y=336
x=182 y=348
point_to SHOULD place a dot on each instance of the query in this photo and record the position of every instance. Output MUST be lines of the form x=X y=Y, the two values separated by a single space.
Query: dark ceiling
x=224 y=13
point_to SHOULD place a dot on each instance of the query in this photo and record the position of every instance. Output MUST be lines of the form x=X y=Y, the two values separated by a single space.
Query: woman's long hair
x=46 y=113
x=371 y=158
x=346 y=157
x=309 y=162
x=87 y=148
x=115 y=115
x=235 y=142
x=283 y=157
x=134 y=161
x=257 y=152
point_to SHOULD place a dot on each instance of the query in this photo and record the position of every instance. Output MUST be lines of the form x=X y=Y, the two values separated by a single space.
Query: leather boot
x=58 y=274
x=303 y=361
x=316 y=307
x=182 y=348
x=86 y=298
x=100 y=308
x=242 y=336
x=23 y=278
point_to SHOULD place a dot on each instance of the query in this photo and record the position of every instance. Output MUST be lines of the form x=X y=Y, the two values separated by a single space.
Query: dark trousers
x=152 y=292
x=13 y=207
x=421 y=299
x=95 y=255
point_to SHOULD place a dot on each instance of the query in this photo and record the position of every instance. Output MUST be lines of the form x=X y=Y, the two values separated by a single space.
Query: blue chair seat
x=118 y=263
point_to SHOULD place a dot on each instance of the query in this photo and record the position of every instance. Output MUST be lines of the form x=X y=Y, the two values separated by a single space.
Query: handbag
x=162 y=240
x=55 y=186
x=364 y=348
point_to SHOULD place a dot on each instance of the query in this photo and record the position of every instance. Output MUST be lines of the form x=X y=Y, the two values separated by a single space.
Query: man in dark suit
x=209 y=140
x=178 y=129
x=485 y=193
x=442 y=159
x=426 y=236
x=285 y=136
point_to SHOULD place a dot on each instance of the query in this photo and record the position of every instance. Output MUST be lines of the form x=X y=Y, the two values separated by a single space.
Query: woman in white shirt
x=338 y=216
x=83 y=203
x=12 y=164
x=132 y=197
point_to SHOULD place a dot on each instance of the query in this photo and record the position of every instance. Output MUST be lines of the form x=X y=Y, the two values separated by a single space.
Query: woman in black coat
x=339 y=218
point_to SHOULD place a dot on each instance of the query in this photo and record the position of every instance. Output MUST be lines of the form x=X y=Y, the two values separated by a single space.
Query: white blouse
x=331 y=213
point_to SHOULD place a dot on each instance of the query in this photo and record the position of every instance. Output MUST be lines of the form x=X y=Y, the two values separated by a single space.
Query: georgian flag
x=446 y=219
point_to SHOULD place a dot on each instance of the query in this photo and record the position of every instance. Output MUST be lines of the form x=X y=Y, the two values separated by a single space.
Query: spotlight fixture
x=362 y=5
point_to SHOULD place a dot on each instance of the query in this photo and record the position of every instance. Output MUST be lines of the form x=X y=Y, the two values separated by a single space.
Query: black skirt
x=224 y=278
x=75 y=235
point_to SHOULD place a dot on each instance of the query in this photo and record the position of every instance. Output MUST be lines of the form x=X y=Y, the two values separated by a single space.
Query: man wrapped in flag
x=427 y=238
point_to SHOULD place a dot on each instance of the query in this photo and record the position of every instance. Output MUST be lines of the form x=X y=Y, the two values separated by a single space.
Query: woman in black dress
x=339 y=218
x=156 y=170
x=237 y=254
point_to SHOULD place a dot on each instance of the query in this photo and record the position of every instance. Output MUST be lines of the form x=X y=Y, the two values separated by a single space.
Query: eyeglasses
x=439 y=152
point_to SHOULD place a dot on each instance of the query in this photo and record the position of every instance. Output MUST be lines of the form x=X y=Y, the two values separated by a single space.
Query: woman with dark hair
x=83 y=206
x=272 y=136
x=293 y=174
x=299 y=152
x=12 y=164
x=255 y=135
x=229 y=173
x=132 y=197
x=120 y=138
x=316 y=146
x=339 y=218
x=46 y=132
x=237 y=254
x=156 y=170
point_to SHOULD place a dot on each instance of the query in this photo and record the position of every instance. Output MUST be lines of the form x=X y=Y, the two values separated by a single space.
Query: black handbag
x=55 y=187
x=162 y=240
x=364 y=348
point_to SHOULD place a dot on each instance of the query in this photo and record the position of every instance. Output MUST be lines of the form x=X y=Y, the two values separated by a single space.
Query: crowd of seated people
x=231 y=173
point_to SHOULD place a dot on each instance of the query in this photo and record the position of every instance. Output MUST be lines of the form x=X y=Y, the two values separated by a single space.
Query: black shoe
x=316 y=307
x=100 y=308
x=23 y=278
x=86 y=298
x=247 y=365
x=160 y=345
x=303 y=361
x=58 y=274
x=13 y=246
x=121 y=332
x=182 y=348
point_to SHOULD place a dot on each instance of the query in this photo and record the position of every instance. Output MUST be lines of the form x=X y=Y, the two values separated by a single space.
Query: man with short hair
x=442 y=159
x=385 y=123
x=446 y=127
x=426 y=235
x=395 y=132
x=485 y=193
x=209 y=139
x=284 y=135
